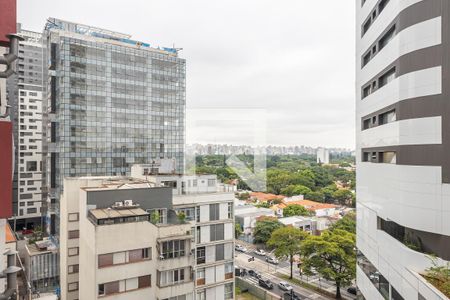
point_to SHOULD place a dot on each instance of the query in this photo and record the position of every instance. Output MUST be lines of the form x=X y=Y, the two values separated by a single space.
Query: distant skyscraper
x=403 y=145
x=323 y=156
x=25 y=90
x=112 y=102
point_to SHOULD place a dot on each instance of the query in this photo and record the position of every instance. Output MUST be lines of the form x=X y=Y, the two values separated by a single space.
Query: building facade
x=25 y=89
x=403 y=172
x=323 y=156
x=111 y=102
x=209 y=206
x=177 y=249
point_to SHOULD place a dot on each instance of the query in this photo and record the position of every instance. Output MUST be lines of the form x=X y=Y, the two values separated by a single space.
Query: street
x=268 y=271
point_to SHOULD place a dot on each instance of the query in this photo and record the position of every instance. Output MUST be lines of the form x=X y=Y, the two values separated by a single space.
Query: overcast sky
x=291 y=61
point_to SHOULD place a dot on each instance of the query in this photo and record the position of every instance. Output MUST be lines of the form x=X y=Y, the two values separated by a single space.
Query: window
x=201 y=295
x=173 y=249
x=73 y=286
x=105 y=260
x=201 y=276
x=171 y=277
x=230 y=210
x=229 y=291
x=160 y=212
x=74 y=217
x=366 y=124
x=108 y=288
x=388 y=157
x=211 y=182
x=194 y=182
x=387 y=117
x=74 y=234
x=31 y=210
x=220 y=252
x=214 y=212
x=180 y=297
x=73 y=251
x=139 y=254
x=201 y=255
x=145 y=281
x=387 y=37
x=198 y=235
x=216 y=232
x=197 y=210
x=382 y=5
x=73 y=269
x=387 y=77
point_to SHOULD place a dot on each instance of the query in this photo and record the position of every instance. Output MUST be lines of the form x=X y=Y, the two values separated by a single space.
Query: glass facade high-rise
x=111 y=102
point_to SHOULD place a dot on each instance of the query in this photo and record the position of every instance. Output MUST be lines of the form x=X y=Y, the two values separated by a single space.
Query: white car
x=240 y=248
x=285 y=286
x=260 y=252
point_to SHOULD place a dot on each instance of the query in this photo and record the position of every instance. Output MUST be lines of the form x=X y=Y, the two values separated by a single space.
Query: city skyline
x=314 y=106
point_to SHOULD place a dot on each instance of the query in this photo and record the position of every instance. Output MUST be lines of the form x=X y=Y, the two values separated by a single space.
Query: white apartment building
x=25 y=89
x=128 y=239
x=323 y=156
x=403 y=141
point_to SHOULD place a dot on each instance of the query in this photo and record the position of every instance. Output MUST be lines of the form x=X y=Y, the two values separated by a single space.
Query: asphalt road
x=268 y=270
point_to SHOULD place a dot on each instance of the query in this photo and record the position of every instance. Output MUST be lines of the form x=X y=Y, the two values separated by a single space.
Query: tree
x=287 y=243
x=328 y=192
x=237 y=230
x=264 y=227
x=315 y=196
x=332 y=255
x=293 y=190
x=295 y=210
x=343 y=196
x=347 y=223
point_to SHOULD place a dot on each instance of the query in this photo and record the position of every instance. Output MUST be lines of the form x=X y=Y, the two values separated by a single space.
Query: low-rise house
x=247 y=216
x=303 y=223
x=41 y=264
x=317 y=208
x=259 y=197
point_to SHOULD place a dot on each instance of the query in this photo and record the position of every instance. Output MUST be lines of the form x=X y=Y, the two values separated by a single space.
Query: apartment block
x=403 y=137
x=133 y=239
x=209 y=206
x=25 y=90
x=111 y=102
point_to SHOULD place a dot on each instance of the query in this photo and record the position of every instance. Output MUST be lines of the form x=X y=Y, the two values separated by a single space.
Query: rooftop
x=10 y=237
x=58 y=24
x=265 y=196
x=118 y=215
x=308 y=204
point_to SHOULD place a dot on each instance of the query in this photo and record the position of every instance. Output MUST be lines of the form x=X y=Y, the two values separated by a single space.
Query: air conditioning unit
x=128 y=202
x=161 y=257
x=118 y=204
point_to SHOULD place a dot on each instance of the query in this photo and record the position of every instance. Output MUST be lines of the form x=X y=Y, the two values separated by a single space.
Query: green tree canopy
x=343 y=196
x=295 y=210
x=292 y=190
x=237 y=230
x=287 y=243
x=332 y=255
x=264 y=227
x=347 y=223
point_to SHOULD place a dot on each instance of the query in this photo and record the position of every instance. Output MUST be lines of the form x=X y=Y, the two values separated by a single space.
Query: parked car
x=260 y=252
x=289 y=296
x=255 y=274
x=352 y=290
x=265 y=284
x=272 y=260
x=240 y=248
x=285 y=286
